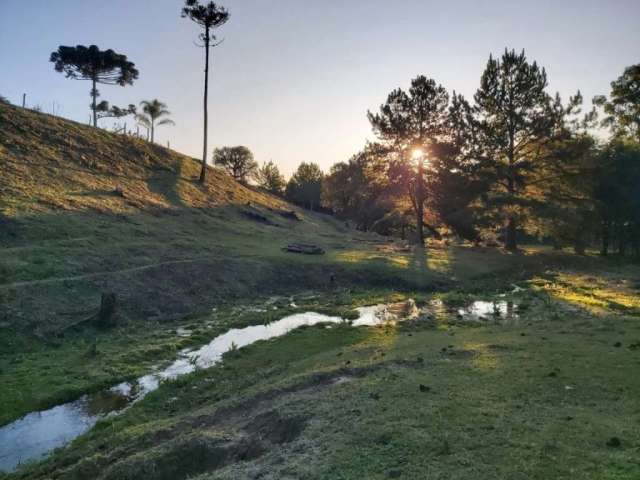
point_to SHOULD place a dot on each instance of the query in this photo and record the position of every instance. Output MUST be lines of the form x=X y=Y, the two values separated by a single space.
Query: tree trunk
x=510 y=241
x=604 y=250
x=94 y=94
x=105 y=317
x=622 y=239
x=420 y=204
x=152 y=130
x=203 y=172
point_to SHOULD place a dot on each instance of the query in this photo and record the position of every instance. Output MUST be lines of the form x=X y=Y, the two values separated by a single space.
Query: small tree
x=237 y=161
x=98 y=66
x=152 y=111
x=209 y=17
x=305 y=186
x=269 y=177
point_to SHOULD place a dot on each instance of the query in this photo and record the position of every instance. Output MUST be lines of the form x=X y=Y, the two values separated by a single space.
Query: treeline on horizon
x=514 y=163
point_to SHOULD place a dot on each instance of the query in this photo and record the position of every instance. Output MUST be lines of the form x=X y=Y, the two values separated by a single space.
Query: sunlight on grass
x=439 y=259
x=483 y=357
x=358 y=256
x=596 y=294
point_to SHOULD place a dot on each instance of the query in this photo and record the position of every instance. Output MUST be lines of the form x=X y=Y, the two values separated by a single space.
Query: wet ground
x=38 y=433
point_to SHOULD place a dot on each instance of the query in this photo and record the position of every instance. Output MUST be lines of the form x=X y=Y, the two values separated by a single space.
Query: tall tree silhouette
x=152 y=111
x=209 y=16
x=517 y=117
x=98 y=66
x=410 y=122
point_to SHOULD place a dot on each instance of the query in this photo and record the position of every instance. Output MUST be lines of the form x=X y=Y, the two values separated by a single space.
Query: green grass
x=533 y=400
x=536 y=399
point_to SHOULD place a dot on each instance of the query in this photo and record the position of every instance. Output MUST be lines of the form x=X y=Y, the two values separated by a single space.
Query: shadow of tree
x=166 y=184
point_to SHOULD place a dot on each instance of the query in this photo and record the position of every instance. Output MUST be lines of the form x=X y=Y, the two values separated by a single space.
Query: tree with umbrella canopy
x=153 y=110
x=98 y=66
x=209 y=16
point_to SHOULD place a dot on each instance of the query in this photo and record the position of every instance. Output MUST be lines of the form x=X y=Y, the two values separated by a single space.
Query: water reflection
x=481 y=311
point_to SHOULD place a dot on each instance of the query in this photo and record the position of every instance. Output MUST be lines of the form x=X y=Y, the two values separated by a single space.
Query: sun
x=417 y=153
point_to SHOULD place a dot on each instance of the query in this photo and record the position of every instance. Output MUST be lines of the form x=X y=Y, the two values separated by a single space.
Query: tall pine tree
x=516 y=118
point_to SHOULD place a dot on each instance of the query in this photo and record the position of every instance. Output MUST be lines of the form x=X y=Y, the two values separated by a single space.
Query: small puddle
x=481 y=311
x=38 y=433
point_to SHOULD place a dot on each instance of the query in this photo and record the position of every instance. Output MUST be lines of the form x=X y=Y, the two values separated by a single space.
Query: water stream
x=38 y=433
x=497 y=311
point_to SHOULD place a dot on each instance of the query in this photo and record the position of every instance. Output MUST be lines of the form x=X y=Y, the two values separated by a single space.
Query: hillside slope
x=543 y=386
x=84 y=211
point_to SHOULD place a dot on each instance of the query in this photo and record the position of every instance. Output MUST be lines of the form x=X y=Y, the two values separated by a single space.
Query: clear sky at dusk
x=294 y=78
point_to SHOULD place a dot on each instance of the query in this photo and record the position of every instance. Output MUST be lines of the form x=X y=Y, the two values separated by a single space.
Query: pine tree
x=269 y=177
x=516 y=118
x=411 y=124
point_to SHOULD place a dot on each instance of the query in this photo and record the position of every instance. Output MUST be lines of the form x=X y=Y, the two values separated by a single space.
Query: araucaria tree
x=411 y=124
x=516 y=119
x=236 y=161
x=209 y=17
x=98 y=66
x=153 y=110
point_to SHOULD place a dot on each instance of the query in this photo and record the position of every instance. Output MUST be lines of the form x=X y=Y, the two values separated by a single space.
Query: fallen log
x=255 y=216
x=304 y=248
x=291 y=215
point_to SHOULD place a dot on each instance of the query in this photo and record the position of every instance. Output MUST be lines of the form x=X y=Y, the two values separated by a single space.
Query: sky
x=293 y=79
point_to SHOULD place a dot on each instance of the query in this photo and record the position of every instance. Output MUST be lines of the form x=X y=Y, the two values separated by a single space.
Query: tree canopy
x=623 y=106
x=237 y=161
x=268 y=176
x=152 y=111
x=514 y=162
x=410 y=125
x=98 y=66
x=305 y=186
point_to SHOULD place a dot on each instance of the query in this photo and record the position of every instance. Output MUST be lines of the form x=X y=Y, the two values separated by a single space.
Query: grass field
x=552 y=393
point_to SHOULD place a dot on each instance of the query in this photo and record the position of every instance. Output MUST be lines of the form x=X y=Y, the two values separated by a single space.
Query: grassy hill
x=85 y=212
